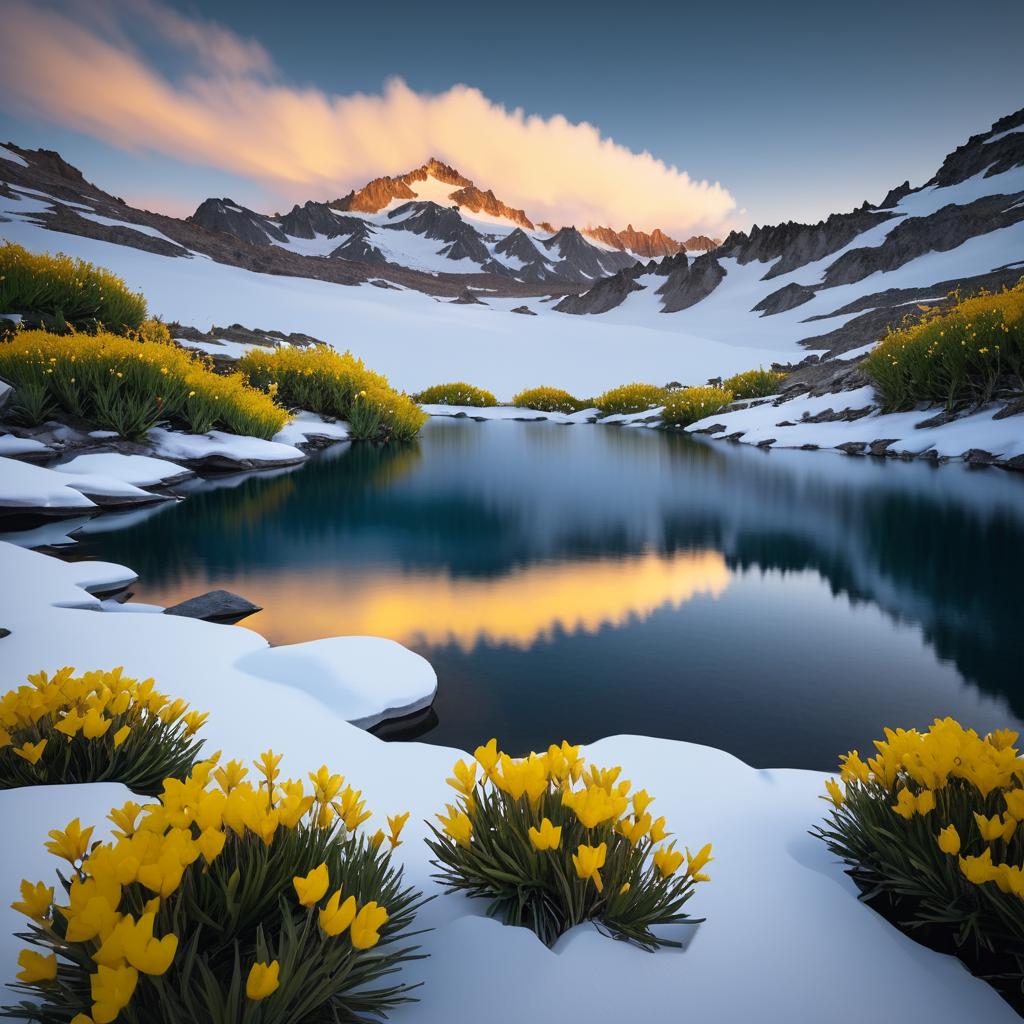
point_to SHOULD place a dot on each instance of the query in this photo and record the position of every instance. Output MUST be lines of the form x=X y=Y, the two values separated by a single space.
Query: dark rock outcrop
x=980 y=155
x=443 y=223
x=215 y=606
x=228 y=217
x=794 y=245
x=578 y=260
x=686 y=285
x=941 y=231
x=788 y=297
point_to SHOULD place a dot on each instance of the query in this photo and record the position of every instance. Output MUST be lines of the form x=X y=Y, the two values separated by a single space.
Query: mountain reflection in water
x=586 y=581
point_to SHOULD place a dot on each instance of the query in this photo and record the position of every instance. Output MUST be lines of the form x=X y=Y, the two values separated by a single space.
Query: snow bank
x=365 y=679
x=138 y=470
x=1002 y=438
x=26 y=486
x=11 y=445
x=220 y=445
x=781 y=915
x=306 y=425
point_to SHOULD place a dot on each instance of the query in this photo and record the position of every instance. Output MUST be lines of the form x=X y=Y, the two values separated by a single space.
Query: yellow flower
x=588 y=860
x=949 y=840
x=35 y=967
x=641 y=801
x=996 y=827
x=377 y=838
x=487 y=755
x=112 y=990
x=211 y=843
x=365 y=930
x=457 y=825
x=71 y=844
x=465 y=777
x=547 y=837
x=311 y=889
x=695 y=863
x=337 y=916
x=1015 y=802
x=835 y=793
x=267 y=763
x=94 y=725
x=658 y=832
x=395 y=825
x=35 y=900
x=194 y=721
x=979 y=870
x=668 y=861
x=1002 y=739
x=31 y=752
x=263 y=980
x=144 y=953
x=121 y=735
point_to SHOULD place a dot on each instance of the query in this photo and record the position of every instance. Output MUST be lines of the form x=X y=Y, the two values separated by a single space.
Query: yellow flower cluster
x=66 y=288
x=754 y=383
x=333 y=383
x=962 y=352
x=597 y=798
x=456 y=393
x=691 y=404
x=59 y=708
x=547 y=399
x=951 y=772
x=102 y=377
x=156 y=845
x=631 y=398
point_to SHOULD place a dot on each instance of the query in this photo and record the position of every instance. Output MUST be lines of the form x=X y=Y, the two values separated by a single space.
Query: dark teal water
x=585 y=581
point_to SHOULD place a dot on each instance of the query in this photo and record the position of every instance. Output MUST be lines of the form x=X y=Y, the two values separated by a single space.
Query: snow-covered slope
x=414 y=244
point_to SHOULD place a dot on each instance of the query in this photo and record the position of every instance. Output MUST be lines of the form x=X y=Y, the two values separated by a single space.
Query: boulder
x=215 y=606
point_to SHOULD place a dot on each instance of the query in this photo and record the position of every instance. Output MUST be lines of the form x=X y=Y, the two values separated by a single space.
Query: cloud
x=228 y=108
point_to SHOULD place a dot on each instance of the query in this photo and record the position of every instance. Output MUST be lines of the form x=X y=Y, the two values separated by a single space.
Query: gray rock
x=978 y=457
x=881 y=446
x=215 y=606
x=852 y=447
x=4 y=632
x=524 y=310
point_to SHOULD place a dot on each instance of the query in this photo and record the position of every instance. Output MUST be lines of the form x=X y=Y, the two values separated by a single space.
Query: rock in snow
x=215 y=606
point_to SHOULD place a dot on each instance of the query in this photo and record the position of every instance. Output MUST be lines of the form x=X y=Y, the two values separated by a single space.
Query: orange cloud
x=231 y=111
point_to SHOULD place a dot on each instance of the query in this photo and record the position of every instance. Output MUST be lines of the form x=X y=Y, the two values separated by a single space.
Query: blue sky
x=797 y=109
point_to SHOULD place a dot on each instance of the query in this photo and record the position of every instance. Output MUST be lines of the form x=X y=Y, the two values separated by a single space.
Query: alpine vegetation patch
x=95 y=727
x=545 y=399
x=456 y=393
x=227 y=900
x=550 y=842
x=66 y=292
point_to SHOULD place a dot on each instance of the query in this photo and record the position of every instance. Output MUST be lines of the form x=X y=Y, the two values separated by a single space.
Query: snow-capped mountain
x=773 y=293
x=435 y=220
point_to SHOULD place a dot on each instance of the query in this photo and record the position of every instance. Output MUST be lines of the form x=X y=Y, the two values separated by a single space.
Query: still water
x=585 y=581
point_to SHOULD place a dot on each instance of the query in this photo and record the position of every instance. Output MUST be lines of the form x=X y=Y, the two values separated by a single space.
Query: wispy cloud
x=230 y=109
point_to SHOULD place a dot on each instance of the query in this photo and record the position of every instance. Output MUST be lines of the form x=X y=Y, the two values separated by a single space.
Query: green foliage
x=335 y=384
x=967 y=354
x=67 y=292
x=456 y=393
x=930 y=828
x=96 y=727
x=548 y=856
x=631 y=398
x=688 y=405
x=128 y=385
x=247 y=875
x=754 y=383
x=547 y=399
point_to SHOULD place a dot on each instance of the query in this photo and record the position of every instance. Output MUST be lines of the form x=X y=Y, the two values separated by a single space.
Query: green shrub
x=631 y=398
x=969 y=353
x=546 y=399
x=96 y=727
x=456 y=393
x=691 y=404
x=67 y=292
x=548 y=856
x=754 y=383
x=930 y=828
x=128 y=385
x=335 y=384
x=228 y=902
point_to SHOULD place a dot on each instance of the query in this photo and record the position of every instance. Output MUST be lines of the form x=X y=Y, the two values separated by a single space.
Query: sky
x=689 y=117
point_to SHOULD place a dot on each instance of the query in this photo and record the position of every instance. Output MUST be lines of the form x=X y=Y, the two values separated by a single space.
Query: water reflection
x=585 y=581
